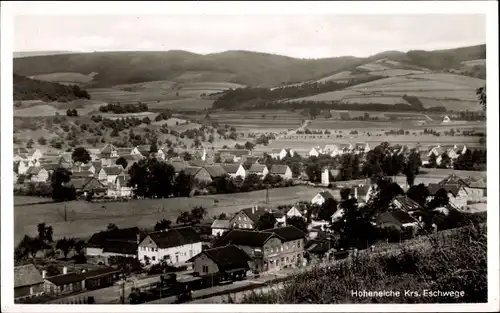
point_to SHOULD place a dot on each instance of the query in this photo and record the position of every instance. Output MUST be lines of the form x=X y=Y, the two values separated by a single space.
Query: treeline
x=124 y=108
x=336 y=105
x=31 y=89
x=234 y=98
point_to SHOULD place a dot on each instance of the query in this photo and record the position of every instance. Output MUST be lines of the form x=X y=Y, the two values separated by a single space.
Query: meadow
x=85 y=218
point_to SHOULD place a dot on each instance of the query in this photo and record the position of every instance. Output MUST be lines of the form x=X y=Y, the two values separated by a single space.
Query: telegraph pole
x=267 y=195
x=65 y=213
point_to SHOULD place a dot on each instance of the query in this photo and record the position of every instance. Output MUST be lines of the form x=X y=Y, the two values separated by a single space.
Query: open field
x=182 y=104
x=40 y=108
x=66 y=78
x=85 y=218
x=395 y=124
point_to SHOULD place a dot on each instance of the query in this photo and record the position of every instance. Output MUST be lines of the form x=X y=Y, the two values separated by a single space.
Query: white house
x=38 y=174
x=280 y=154
x=316 y=151
x=23 y=167
x=220 y=226
x=446 y=119
x=175 y=246
x=234 y=170
x=109 y=174
x=283 y=171
x=321 y=197
x=293 y=212
x=120 y=188
x=259 y=169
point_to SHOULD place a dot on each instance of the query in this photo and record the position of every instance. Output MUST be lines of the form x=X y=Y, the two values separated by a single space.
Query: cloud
x=306 y=36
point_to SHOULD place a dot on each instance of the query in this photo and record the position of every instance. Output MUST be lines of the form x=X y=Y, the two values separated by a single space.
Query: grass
x=453 y=260
x=65 y=77
x=86 y=218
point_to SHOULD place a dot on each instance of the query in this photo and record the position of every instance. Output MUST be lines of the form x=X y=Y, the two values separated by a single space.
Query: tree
x=296 y=169
x=81 y=154
x=163 y=224
x=327 y=209
x=152 y=178
x=44 y=232
x=440 y=199
x=445 y=160
x=111 y=227
x=411 y=168
x=313 y=171
x=122 y=162
x=481 y=94
x=30 y=143
x=249 y=145
x=65 y=245
x=60 y=192
x=28 y=247
x=432 y=161
x=198 y=212
x=187 y=156
x=418 y=194
x=186 y=218
x=266 y=221
x=183 y=185
x=154 y=147
x=42 y=141
x=298 y=222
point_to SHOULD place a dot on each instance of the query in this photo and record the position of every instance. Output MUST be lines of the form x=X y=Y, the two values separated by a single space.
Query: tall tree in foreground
x=81 y=154
x=481 y=94
x=266 y=221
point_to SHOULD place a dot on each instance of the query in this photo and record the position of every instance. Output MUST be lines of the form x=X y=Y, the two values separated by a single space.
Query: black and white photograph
x=285 y=154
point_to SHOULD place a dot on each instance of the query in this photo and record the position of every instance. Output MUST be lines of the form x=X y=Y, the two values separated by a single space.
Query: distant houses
x=260 y=170
x=321 y=197
x=234 y=170
x=283 y=171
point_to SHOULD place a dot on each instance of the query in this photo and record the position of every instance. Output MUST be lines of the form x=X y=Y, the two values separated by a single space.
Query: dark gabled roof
x=231 y=168
x=287 y=233
x=26 y=275
x=398 y=215
x=192 y=170
x=113 y=170
x=175 y=237
x=82 y=174
x=123 y=151
x=132 y=157
x=122 y=247
x=454 y=179
x=278 y=169
x=326 y=195
x=215 y=171
x=51 y=166
x=108 y=149
x=221 y=224
x=257 y=168
x=229 y=257
x=100 y=239
x=450 y=188
x=178 y=166
x=249 y=238
x=65 y=279
x=99 y=272
x=254 y=215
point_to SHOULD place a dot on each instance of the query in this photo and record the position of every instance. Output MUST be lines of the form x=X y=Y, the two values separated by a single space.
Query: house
x=260 y=170
x=119 y=242
x=360 y=148
x=234 y=170
x=272 y=249
x=215 y=171
x=321 y=197
x=332 y=150
x=397 y=218
x=131 y=159
x=361 y=193
x=87 y=185
x=237 y=153
x=34 y=154
x=198 y=173
x=437 y=151
x=223 y=263
x=22 y=167
x=316 y=151
x=220 y=226
x=82 y=174
x=293 y=212
x=405 y=204
x=476 y=190
x=37 y=174
x=280 y=154
x=175 y=246
x=328 y=175
x=251 y=159
x=109 y=151
x=457 y=193
x=178 y=166
x=446 y=119
x=86 y=280
x=109 y=174
x=141 y=150
x=124 y=151
x=345 y=147
x=28 y=282
x=162 y=154
x=247 y=218
x=283 y=171
x=120 y=187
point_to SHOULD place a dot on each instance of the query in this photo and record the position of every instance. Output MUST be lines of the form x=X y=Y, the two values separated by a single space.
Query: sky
x=300 y=36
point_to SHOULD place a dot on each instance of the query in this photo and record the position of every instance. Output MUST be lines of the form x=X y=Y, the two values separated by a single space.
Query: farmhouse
x=293 y=212
x=37 y=174
x=283 y=171
x=85 y=280
x=405 y=204
x=86 y=185
x=120 y=187
x=437 y=151
x=215 y=171
x=118 y=242
x=316 y=151
x=476 y=190
x=228 y=262
x=398 y=219
x=200 y=174
x=28 y=282
x=23 y=167
x=247 y=218
x=109 y=174
x=175 y=246
x=236 y=153
x=328 y=175
x=131 y=159
x=234 y=170
x=251 y=159
x=446 y=119
x=457 y=194
x=220 y=226
x=280 y=154
x=260 y=170
x=321 y=197
x=109 y=151
x=178 y=166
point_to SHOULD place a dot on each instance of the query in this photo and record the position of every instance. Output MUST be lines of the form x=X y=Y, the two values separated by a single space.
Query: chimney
x=65 y=270
x=44 y=274
x=355 y=192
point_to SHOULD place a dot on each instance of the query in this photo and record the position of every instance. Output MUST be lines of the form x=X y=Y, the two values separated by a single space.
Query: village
x=263 y=241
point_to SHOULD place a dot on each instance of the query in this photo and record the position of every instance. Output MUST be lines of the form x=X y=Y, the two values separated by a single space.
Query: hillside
x=31 y=89
x=25 y=54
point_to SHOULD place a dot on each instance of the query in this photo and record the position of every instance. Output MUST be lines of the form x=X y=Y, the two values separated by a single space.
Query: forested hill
x=30 y=89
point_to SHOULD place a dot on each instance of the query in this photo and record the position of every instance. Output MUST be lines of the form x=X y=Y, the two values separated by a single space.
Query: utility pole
x=65 y=213
x=267 y=195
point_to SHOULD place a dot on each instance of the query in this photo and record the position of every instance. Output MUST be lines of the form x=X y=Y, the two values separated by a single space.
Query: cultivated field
x=66 y=78
x=40 y=108
x=85 y=218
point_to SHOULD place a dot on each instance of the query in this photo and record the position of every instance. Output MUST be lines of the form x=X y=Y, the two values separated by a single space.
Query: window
x=153 y=258
x=239 y=218
x=293 y=246
x=298 y=244
x=205 y=269
x=286 y=246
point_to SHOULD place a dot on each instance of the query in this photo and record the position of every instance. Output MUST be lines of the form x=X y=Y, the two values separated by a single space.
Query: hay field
x=182 y=104
x=66 y=78
x=85 y=218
